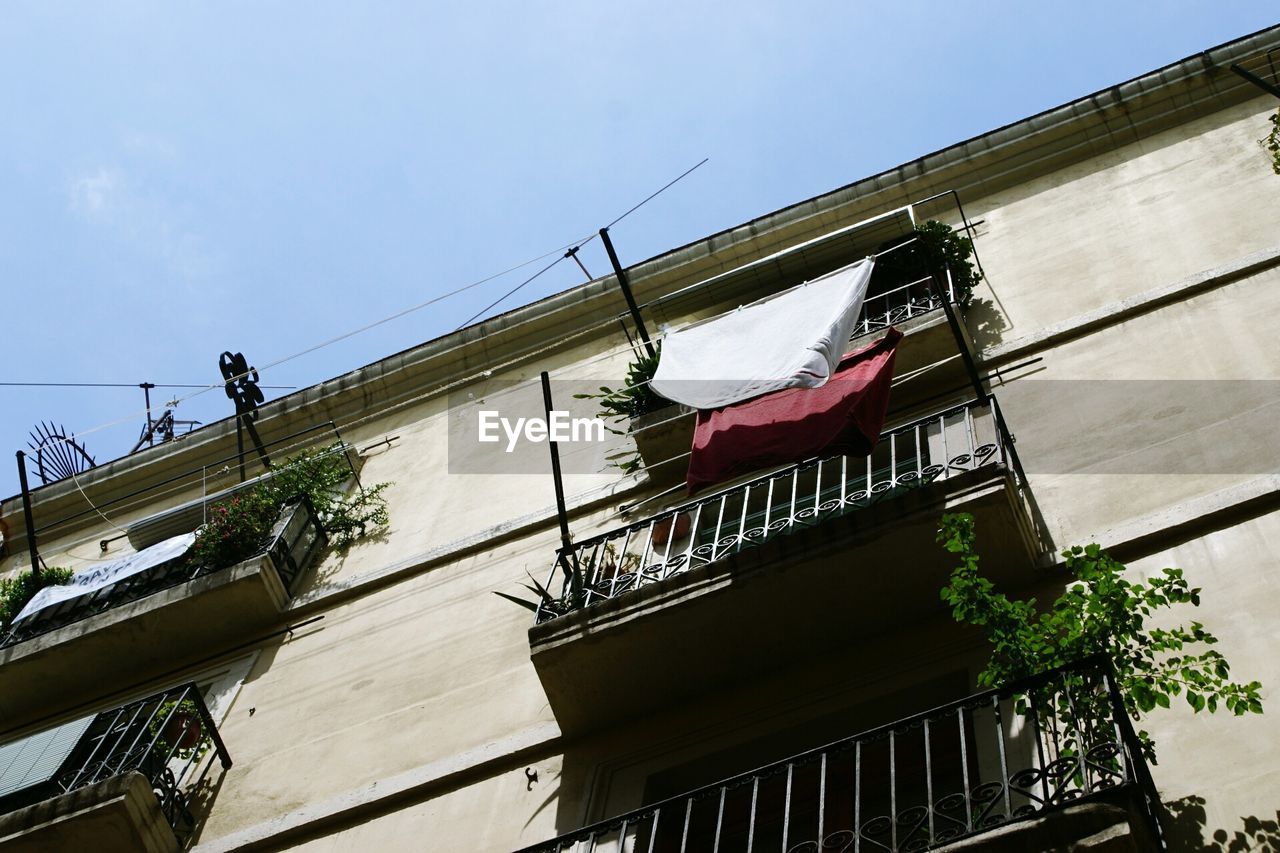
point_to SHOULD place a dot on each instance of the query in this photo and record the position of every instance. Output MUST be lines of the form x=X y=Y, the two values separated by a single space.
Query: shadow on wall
x=1185 y=826
x=986 y=323
x=331 y=563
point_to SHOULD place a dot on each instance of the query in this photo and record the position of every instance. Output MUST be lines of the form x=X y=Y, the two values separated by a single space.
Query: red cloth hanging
x=843 y=416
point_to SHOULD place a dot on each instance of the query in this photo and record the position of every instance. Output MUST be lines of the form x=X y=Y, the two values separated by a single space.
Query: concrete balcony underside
x=138 y=641
x=118 y=815
x=792 y=598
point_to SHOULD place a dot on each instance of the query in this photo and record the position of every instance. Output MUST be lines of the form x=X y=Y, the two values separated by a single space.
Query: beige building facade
x=783 y=631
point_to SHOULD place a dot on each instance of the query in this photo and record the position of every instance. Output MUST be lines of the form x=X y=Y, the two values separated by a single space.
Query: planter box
x=663 y=439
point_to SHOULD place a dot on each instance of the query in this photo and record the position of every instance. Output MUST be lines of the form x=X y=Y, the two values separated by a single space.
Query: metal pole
x=1131 y=746
x=561 y=513
x=626 y=292
x=971 y=367
x=240 y=442
x=146 y=393
x=568 y=558
x=248 y=418
x=26 y=516
x=573 y=253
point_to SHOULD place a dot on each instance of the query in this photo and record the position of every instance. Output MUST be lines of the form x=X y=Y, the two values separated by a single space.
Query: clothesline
x=781 y=293
x=901 y=212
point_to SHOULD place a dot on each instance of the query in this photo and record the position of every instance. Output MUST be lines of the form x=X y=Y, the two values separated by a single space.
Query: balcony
x=136 y=628
x=129 y=779
x=1045 y=762
x=702 y=592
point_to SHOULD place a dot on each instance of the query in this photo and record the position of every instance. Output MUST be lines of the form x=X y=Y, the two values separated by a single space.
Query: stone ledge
x=117 y=815
x=412 y=786
x=1126 y=309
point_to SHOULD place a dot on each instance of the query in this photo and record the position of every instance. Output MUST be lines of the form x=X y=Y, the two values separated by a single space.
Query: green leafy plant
x=618 y=406
x=544 y=599
x=1271 y=142
x=321 y=476
x=610 y=565
x=179 y=730
x=19 y=589
x=240 y=527
x=635 y=397
x=935 y=245
x=1101 y=612
x=235 y=529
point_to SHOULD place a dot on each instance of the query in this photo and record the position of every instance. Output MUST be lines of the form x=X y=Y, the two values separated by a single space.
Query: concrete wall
x=1218 y=774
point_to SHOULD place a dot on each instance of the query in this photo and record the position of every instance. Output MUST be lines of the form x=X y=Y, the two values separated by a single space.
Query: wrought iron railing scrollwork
x=169 y=738
x=903 y=303
x=955 y=771
x=945 y=445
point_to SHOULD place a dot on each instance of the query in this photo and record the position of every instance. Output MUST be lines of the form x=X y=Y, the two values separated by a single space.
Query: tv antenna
x=163 y=428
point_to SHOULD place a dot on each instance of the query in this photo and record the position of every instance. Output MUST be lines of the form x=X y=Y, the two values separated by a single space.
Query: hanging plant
x=1102 y=611
x=240 y=527
x=321 y=476
x=619 y=406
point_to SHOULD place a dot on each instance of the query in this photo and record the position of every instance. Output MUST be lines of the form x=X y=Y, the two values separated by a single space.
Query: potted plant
x=933 y=245
x=178 y=729
x=662 y=529
x=657 y=426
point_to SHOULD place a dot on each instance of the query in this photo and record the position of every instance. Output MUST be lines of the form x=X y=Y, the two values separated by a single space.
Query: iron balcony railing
x=169 y=738
x=296 y=539
x=903 y=303
x=939 y=447
x=952 y=772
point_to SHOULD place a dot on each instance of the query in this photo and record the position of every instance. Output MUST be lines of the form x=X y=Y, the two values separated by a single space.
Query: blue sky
x=180 y=179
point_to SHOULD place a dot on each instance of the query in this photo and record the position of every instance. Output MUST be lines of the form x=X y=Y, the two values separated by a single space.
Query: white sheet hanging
x=792 y=340
x=87 y=580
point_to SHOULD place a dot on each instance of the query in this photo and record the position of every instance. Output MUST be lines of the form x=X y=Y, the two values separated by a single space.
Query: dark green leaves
x=240 y=525
x=1100 y=611
x=16 y=591
x=633 y=399
x=935 y=246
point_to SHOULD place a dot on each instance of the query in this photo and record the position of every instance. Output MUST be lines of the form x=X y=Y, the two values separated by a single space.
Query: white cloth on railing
x=792 y=340
x=87 y=580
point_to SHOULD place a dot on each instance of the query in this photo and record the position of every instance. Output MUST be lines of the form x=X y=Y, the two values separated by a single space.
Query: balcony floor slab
x=138 y=641
x=117 y=815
